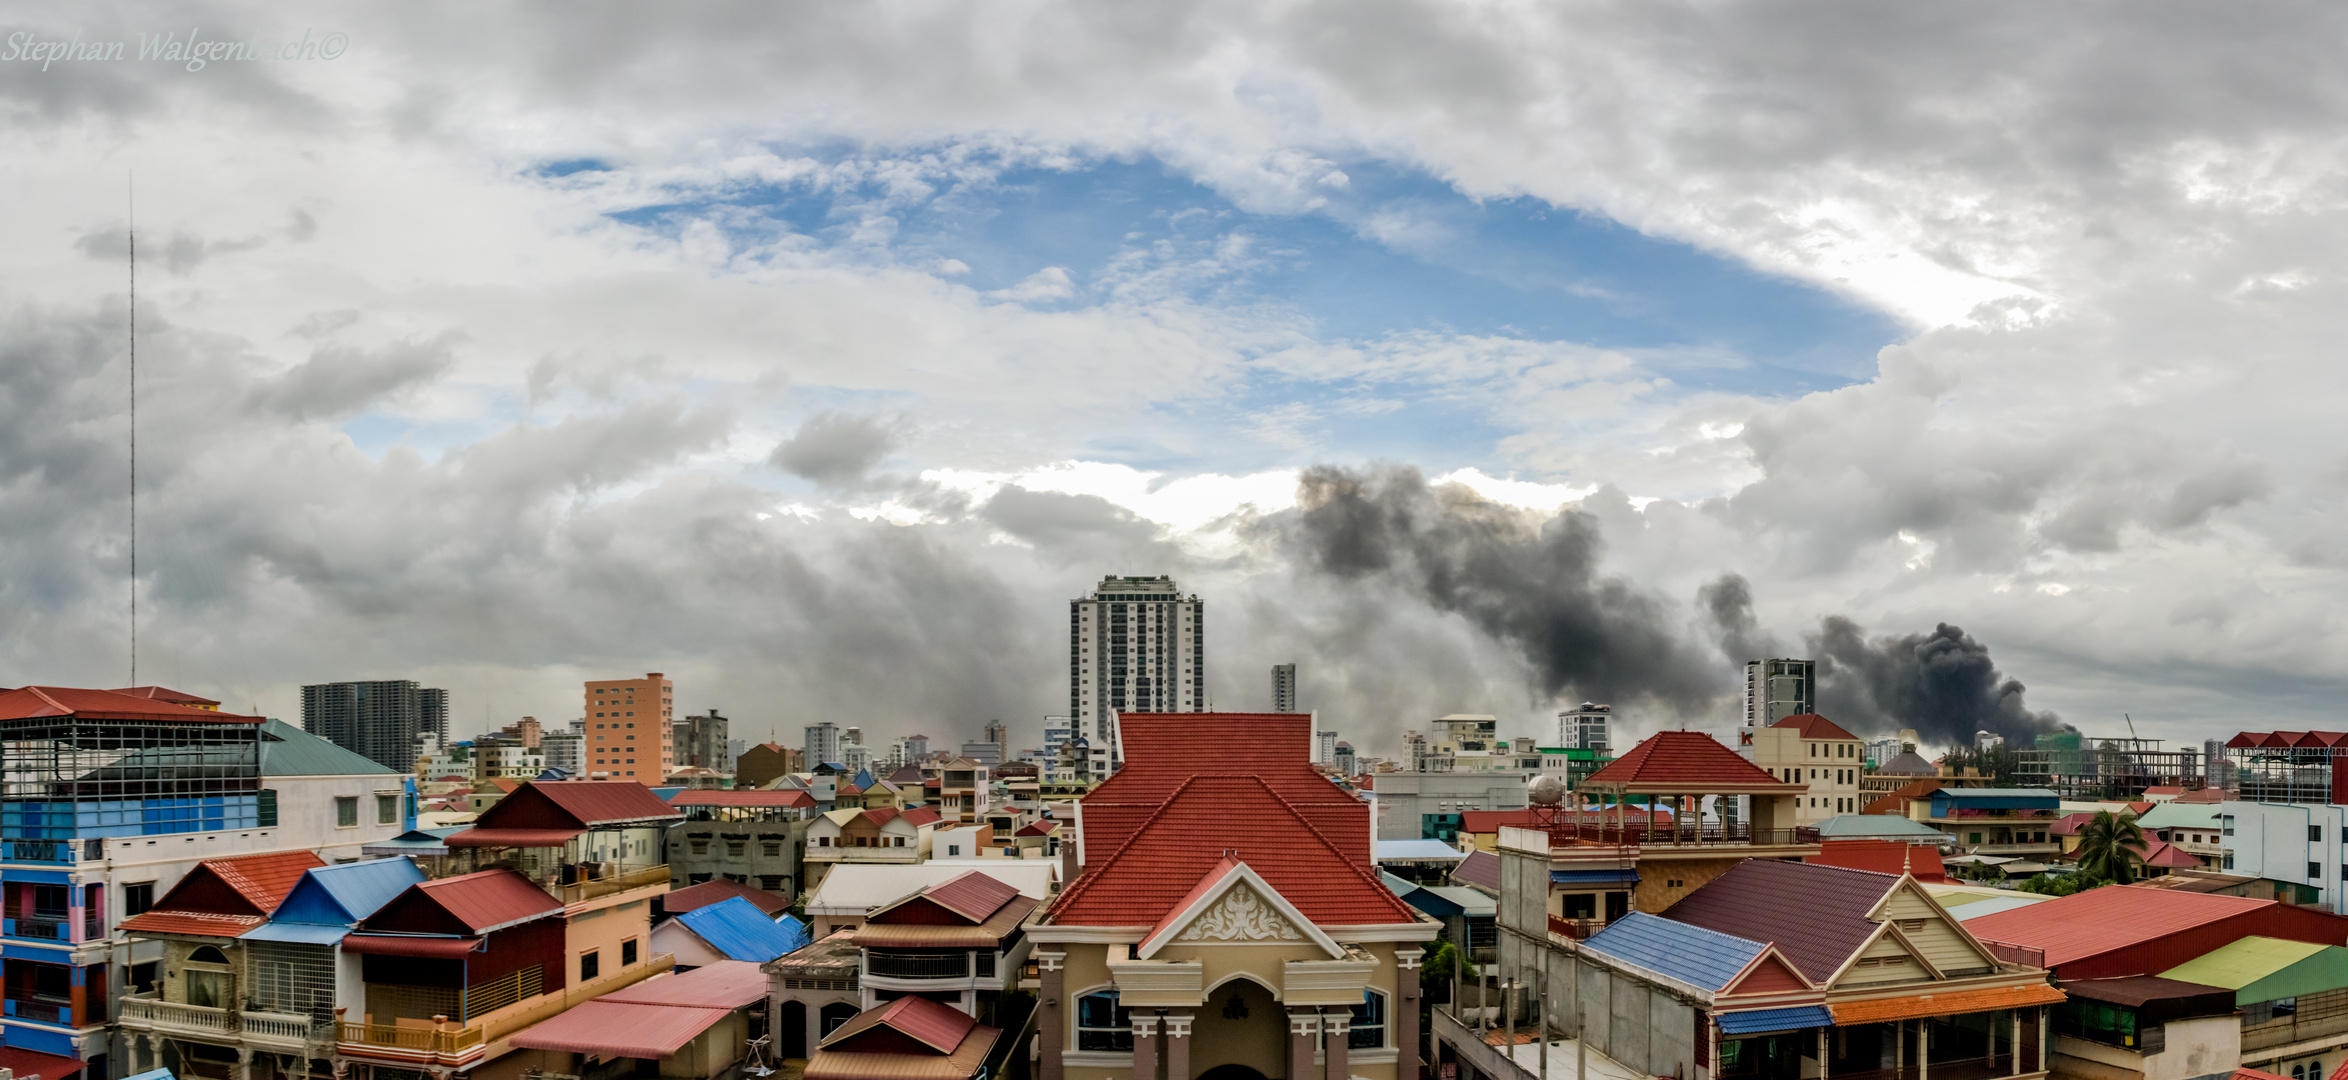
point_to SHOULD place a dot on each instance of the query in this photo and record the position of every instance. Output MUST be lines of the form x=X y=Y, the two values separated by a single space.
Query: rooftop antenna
x=131 y=228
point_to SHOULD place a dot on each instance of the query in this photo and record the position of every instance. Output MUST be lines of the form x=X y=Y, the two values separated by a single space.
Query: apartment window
x=590 y=965
x=346 y=811
x=1102 y=1024
x=772 y=850
x=386 y=809
x=700 y=847
x=1369 y=1022
x=628 y=952
x=268 y=808
x=771 y=882
x=953 y=849
x=2226 y=825
x=137 y=896
x=143 y=976
x=733 y=849
x=2315 y=871
x=2315 y=832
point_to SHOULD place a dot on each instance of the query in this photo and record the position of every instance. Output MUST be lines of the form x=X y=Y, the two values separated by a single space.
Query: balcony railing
x=145 y=1012
x=1577 y=929
x=1668 y=834
x=917 y=965
x=449 y=1043
x=2015 y=954
x=620 y=881
x=46 y=1012
x=38 y=929
x=52 y=851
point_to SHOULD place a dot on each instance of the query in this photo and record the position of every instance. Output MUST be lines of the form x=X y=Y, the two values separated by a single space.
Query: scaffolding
x=81 y=776
x=2104 y=767
x=2285 y=766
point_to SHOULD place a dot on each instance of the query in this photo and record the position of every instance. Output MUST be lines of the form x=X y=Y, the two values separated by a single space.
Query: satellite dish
x=1545 y=790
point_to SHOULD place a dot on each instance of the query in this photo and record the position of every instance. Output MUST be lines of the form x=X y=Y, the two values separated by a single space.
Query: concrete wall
x=2270 y=841
x=1403 y=797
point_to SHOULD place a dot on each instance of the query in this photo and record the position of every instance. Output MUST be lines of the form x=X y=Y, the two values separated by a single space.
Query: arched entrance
x=1241 y=1033
x=791 y=1030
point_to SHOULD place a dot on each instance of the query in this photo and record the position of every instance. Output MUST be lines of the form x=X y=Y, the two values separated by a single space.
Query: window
x=143 y=976
x=346 y=811
x=137 y=896
x=590 y=964
x=953 y=849
x=628 y=952
x=1369 y=1022
x=771 y=850
x=700 y=847
x=386 y=809
x=1102 y=1024
x=2315 y=872
x=2315 y=832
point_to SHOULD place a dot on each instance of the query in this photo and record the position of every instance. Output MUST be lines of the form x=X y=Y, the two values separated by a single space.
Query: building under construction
x=2289 y=766
x=2099 y=767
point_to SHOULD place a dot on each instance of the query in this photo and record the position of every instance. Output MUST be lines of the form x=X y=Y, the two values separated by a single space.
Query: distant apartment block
x=1585 y=728
x=627 y=732
x=380 y=720
x=701 y=740
x=822 y=744
x=1135 y=645
x=1284 y=688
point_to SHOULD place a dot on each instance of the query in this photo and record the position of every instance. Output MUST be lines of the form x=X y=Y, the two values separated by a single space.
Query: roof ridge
x=1084 y=881
x=1360 y=872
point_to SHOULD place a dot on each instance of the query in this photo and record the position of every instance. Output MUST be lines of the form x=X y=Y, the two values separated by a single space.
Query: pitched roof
x=1893 y=857
x=612 y=1029
x=226 y=897
x=733 y=927
x=29 y=702
x=165 y=694
x=1814 y=726
x=1878 y=827
x=2106 y=919
x=348 y=892
x=1673 y=762
x=2164 y=854
x=265 y=879
x=676 y=901
x=484 y=901
x=938 y=1027
x=1164 y=750
x=1816 y=914
x=920 y=815
x=1906 y=763
x=785 y=798
x=1703 y=958
x=973 y=895
x=1479 y=868
x=287 y=750
x=603 y=802
x=857 y=888
x=725 y=984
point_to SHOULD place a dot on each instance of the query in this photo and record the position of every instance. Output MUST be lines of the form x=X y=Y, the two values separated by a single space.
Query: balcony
x=619 y=881
x=52 y=852
x=1574 y=929
x=283 y=1032
x=1670 y=834
x=446 y=1043
x=50 y=1011
x=38 y=928
x=917 y=965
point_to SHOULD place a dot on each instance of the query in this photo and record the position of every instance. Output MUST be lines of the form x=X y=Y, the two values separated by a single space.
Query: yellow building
x=627 y=736
x=1813 y=751
x=1227 y=913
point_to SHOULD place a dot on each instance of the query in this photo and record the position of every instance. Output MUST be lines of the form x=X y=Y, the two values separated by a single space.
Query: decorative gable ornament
x=1241 y=915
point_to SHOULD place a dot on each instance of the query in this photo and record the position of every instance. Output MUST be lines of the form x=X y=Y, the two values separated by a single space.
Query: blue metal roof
x=1753 y=1021
x=1997 y=798
x=1417 y=849
x=344 y=894
x=1702 y=958
x=1593 y=877
x=297 y=932
x=742 y=932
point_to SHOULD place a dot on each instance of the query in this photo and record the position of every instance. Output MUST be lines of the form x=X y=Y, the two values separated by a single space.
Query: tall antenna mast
x=131 y=225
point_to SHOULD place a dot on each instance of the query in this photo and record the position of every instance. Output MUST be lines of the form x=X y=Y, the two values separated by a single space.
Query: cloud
x=338 y=381
x=837 y=449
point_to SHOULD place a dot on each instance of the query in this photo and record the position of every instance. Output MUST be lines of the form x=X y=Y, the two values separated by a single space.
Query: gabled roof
x=1906 y=763
x=226 y=897
x=1224 y=878
x=1817 y=915
x=677 y=901
x=1706 y=959
x=1894 y=857
x=29 y=702
x=1165 y=750
x=939 y=1028
x=742 y=932
x=1684 y=763
x=468 y=904
x=974 y=896
x=287 y=750
x=600 y=802
x=613 y=1029
x=920 y=815
x=1480 y=868
x=2163 y=854
x=725 y=984
x=1040 y=827
x=1814 y=726
x=549 y=814
x=857 y=888
x=344 y=894
x=1877 y=827
x=787 y=798
x=168 y=696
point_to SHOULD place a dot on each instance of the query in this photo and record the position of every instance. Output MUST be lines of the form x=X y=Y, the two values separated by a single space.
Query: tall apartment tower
x=434 y=703
x=1284 y=688
x=1135 y=644
x=628 y=735
x=1585 y=728
x=378 y=720
x=823 y=743
x=1776 y=689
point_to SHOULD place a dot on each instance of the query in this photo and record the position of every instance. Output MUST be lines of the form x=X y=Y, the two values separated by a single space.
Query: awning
x=512 y=837
x=423 y=948
x=299 y=933
x=1755 y=1021
x=1961 y=1001
x=610 y=1029
x=26 y=1063
x=1593 y=877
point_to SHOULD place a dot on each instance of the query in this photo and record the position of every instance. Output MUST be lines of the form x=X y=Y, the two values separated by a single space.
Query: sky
x=1475 y=357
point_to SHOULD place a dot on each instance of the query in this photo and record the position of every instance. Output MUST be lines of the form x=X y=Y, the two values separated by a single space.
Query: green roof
x=2264 y=968
x=287 y=750
x=2173 y=814
x=1886 y=826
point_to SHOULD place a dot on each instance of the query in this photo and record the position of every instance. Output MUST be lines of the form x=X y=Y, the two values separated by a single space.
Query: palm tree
x=2107 y=843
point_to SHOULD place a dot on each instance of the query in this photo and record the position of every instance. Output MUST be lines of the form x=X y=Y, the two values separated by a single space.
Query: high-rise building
x=1135 y=644
x=527 y=730
x=628 y=735
x=379 y=720
x=1325 y=748
x=561 y=749
x=433 y=702
x=823 y=743
x=1585 y=728
x=998 y=733
x=1284 y=688
x=1776 y=689
x=701 y=741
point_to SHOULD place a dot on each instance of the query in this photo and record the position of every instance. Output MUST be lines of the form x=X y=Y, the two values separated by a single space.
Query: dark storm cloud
x=1534 y=584
x=837 y=449
x=1942 y=683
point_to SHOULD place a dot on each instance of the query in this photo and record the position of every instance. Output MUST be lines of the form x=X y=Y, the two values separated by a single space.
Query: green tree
x=2105 y=844
x=1436 y=970
x=2061 y=884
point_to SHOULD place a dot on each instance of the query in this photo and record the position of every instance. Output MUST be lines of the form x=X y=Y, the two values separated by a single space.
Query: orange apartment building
x=627 y=733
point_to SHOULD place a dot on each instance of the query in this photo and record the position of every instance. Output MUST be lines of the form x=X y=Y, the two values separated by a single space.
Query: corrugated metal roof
x=616 y=1029
x=974 y=896
x=726 y=984
x=1814 y=726
x=594 y=802
x=1692 y=954
x=1969 y=912
x=1404 y=850
x=786 y=798
x=198 y=923
x=1755 y=1021
x=297 y=933
x=856 y=888
x=523 y=838
x=491 y=899
x=1480 y=868
x=166 y=694
x=1466 y=901
x=415 y=947
x=1876 y=827
x=287 y=750
x=1945 y=1003
x=2264 y=968
x=1678 y=759
x=2100 y=920
x=29 y=702
x=1816 y=914
x=24 y=1062
x=932 y=1024
x=741 y=932
x=354 y=890
x=677 y=901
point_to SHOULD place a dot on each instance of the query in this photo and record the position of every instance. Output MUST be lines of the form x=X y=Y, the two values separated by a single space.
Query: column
x=1303 y=1024
x=1145 y=1047
x=1337 y=1028
x=1178 y=1045
x=1406 y=1013
x=244 y=1063
x=1923 y=1047
x=1052 y=1026
x=154 y=1051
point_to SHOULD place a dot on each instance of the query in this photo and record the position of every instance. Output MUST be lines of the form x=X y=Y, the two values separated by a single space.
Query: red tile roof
x=881 y=815
x=719 y=889
x=265 y=879
x=2104 y=920
x=597 y=802
x=1815 y=914
x=936 y=1026
x=226 y=897
x=921 y=815
x=1205 y=816
x=1163 y=750
x=1814 y=726
x=489 y=900
x=27 y=702
x=1479 y=868
x=197 y=923
x=1684 y=763
x=612 y=1029
x=1043 y=827
x=973 y=895
x=165 y=694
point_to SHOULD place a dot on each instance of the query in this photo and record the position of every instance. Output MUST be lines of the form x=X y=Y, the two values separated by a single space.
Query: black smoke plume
x=1530 y=582
x=1943 y=684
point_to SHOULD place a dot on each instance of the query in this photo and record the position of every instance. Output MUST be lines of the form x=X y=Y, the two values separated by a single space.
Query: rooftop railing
x=1669 y=834
x=55 y=852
